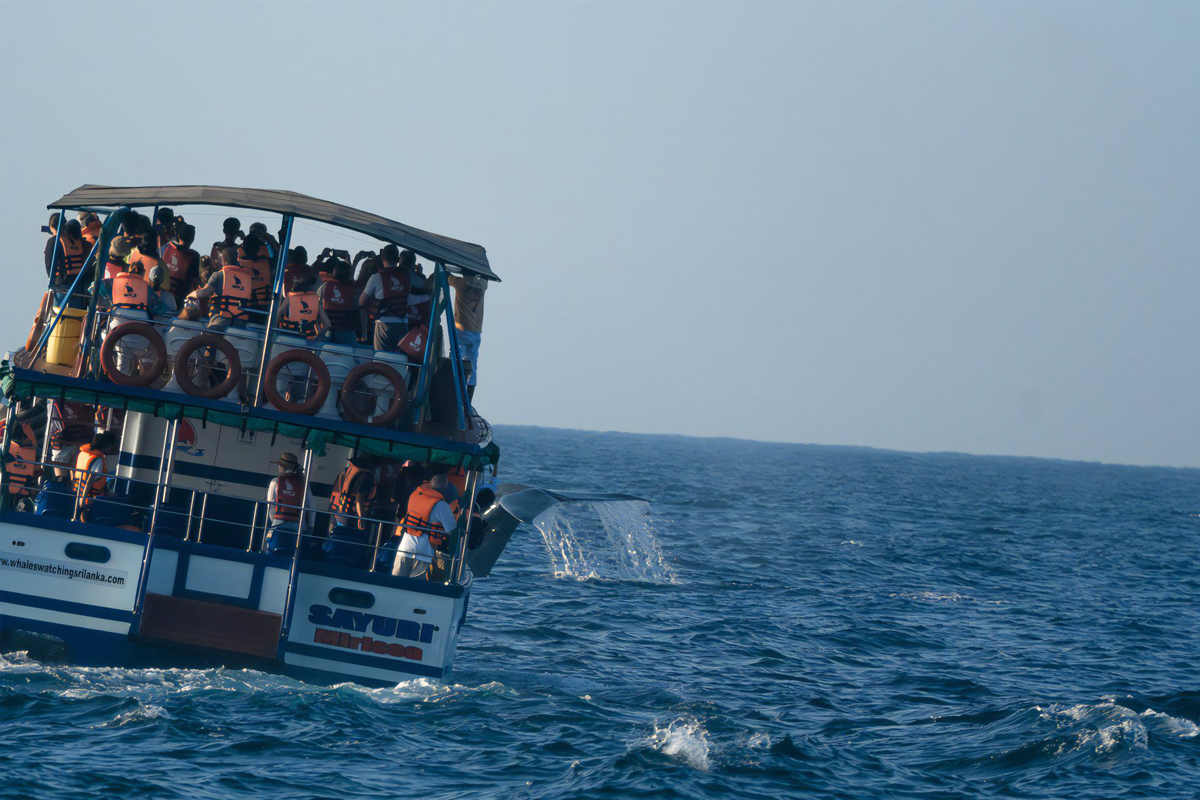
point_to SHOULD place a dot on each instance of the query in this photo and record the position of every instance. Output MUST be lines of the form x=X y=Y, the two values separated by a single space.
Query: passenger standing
x=284 y=496
x=269 y=243
x=352 y=492
x=232 y=228
x=92 y=228
x=229 y=289
x=182 y=262
x=65 y=262
x=427 y=529
x=468 y=320
x=71 y=427
x=146 y=252
x=297 y=266
x=252 y=256
x=340 y=304
x=20 y=467
x=164 y=227
x=388 y=288
x=92 y=475
x=389 y=483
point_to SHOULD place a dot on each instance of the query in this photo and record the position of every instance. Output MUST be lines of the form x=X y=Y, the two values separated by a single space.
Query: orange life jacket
x=261 y=268
x=91 y=232
x=234 y=297
x=149 y=261
x=87 y=485
x=114 y=268
x=341 y=501
x=289 y=489
x=340 y=306
x=396 y=283
x=130 y=291
x=179 y=262
x=302 y=313
x=418 y=520
x=20 y=465
x=71 y=263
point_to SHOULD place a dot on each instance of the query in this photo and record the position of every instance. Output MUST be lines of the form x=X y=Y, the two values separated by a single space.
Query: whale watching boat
x=170 y=554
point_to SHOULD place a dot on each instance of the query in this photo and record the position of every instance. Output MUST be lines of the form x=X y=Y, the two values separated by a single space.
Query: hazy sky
x=925 y=226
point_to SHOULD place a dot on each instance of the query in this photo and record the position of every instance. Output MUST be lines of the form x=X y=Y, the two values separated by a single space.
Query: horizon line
x=852 y=446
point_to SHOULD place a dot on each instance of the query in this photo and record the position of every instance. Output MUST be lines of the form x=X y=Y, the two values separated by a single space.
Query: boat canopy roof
x=466 y=257
x=316 y=433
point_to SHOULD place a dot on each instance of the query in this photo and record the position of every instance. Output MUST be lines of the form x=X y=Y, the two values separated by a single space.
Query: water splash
x=685 y=740
x=623 y=546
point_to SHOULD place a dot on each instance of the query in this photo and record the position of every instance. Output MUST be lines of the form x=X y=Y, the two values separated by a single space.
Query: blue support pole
x=460 y=381
x=280 y=264
x=57 y=239
x=63 y=305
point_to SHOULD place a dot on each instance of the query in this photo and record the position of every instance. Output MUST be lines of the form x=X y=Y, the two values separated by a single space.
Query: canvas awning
x=464 y=256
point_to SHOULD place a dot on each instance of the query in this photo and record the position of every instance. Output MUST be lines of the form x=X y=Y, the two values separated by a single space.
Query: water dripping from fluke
x=611 y=540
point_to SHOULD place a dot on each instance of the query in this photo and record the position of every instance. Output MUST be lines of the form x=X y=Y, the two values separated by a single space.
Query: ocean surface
x=779 y=621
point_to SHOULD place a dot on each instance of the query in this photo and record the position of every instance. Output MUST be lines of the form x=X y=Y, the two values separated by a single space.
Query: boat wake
x=604 y=540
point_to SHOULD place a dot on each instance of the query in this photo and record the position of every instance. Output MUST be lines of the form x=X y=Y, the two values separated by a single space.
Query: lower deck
x=100 y=595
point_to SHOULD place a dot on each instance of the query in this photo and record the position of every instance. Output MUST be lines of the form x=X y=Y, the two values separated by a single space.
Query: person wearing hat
x=428 y=530
x=118 y=252
x=232 y=228
x=283 y=497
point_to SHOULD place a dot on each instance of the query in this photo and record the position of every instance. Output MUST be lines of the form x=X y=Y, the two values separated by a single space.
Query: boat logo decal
x=362 y=622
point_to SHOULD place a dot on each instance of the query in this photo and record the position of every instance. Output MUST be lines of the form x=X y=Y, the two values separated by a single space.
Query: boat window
x=350 y=597
x=88 y=552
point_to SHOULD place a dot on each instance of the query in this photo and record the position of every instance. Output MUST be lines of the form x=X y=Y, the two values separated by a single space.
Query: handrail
x=454 y=560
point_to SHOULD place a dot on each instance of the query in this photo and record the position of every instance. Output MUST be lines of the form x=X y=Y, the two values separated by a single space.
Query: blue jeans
x=468 y=350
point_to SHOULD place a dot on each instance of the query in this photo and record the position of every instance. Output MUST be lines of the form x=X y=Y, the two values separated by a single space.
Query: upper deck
x=255 y=374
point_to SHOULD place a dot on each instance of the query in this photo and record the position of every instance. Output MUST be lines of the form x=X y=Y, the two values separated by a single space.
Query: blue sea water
x=787 y=621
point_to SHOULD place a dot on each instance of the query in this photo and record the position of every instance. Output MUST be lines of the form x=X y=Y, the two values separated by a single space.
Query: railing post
x=274 y=309
x=158 y=481
x=10 y=419
x=464 y=529
x=106 y=236
x=287 y=605
x=460 y=381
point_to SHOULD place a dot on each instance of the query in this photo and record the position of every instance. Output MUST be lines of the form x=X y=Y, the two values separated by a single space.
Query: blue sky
x=924 y=226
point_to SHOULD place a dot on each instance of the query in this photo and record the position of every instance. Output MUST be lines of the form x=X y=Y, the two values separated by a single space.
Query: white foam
x=933 y=597
x=1101 y=727
x=759 y=741
x=685 y=740
x=425 y=690
x=139 y=714
x=1175 y=726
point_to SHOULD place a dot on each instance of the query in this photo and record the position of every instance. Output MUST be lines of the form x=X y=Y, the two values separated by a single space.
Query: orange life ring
x=313 y=403
x=108 y=354
x=398 y=386
x=217 y=342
